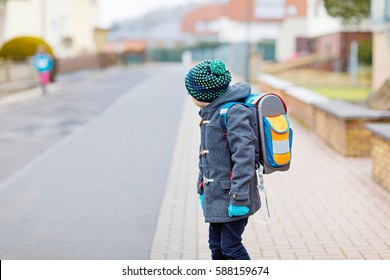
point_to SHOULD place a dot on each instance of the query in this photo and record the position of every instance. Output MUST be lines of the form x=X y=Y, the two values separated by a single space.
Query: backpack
x=272 y=129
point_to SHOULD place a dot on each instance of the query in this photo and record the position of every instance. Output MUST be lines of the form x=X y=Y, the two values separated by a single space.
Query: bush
x=365 y=52
x=21 y=48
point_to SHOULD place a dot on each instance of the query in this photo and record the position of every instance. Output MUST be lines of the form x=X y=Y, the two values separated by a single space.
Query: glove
x=237 y=210
x=201 y=198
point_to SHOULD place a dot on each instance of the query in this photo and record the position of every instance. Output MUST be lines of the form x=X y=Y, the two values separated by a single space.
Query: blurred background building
x=280 y=30
x=274 y=25
x=249 y=34
x=2 y=16
x=67 y=25
x=380 y=14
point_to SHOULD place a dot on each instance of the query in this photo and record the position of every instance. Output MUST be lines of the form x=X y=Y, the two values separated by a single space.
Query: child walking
x=227 y=182
x=43 y=63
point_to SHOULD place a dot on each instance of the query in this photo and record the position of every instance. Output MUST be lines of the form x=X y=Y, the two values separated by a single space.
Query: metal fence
x=22 y=71
x=89 y=61
x=234 y=55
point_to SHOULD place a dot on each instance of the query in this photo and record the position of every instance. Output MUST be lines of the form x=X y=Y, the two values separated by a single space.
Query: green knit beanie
x=208 y=80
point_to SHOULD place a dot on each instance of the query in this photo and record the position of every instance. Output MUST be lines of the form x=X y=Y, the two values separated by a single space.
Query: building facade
x=2 y=20
x=67 y=25
x=277 y=21
x=303 y=19
x=380 y=15
x=233 y=21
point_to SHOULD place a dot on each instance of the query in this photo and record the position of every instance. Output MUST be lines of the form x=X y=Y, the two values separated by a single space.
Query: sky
x=111 y=11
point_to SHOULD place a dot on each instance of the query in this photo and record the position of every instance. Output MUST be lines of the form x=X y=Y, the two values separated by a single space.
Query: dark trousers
x=225 y=240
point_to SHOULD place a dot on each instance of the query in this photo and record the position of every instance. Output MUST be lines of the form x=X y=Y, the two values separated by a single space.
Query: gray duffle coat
x=227 y=163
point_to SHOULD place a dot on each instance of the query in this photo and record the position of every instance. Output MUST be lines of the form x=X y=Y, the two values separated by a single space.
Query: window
x=386 y=12
x=270 y=9
x=204 y=26
x=292 y=10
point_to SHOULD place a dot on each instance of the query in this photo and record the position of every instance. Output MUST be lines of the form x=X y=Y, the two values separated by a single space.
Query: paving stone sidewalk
x=325 y=207
x=19 y=92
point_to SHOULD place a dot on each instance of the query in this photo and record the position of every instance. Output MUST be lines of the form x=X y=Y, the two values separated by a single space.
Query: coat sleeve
x=199 y=184
x=241 y=139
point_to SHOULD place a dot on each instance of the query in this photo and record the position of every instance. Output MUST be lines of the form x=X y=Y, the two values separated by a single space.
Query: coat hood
x=234 y=93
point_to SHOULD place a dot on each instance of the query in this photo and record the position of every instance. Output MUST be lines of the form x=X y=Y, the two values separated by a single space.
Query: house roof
x=202 y=13
x=237 y=10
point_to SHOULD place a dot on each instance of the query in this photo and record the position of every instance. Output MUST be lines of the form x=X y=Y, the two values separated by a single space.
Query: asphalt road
x=83 y=170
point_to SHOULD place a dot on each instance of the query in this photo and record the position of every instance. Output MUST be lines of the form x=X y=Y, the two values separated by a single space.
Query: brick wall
x=267 y=88
x=358 y=140
x=349 y=137
x=342 y=127
x=304 y=112
x=381 y=160
x=331 y=130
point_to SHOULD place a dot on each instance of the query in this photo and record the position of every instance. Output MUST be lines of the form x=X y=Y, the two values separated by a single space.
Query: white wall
x=24 y=18
x=381 y=57
x=316 y=23
x=84 y=18
x=236 y=32
x=319 y=22
x=54 y=20
x=2 y=21
x=57 y=24
x=381 y=44
x=290 y=29
x=377 y=11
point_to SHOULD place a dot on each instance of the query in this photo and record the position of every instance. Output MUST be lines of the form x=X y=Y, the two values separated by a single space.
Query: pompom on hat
x=208 y=80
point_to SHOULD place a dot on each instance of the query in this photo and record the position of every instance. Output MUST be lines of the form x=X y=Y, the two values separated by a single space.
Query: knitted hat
x=208 y=80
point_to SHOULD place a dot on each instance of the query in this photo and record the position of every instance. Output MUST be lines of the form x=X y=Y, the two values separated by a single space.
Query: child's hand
x=201 y=198
x=237 y=210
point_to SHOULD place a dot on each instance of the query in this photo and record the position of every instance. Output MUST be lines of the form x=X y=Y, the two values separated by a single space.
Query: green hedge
x=21 y=48
x=365 y=52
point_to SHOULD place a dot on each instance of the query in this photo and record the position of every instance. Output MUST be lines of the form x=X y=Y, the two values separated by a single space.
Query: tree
x=21 y=48
x=350 y=11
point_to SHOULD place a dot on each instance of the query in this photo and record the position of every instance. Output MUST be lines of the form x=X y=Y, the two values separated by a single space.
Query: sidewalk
x=325 y=207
